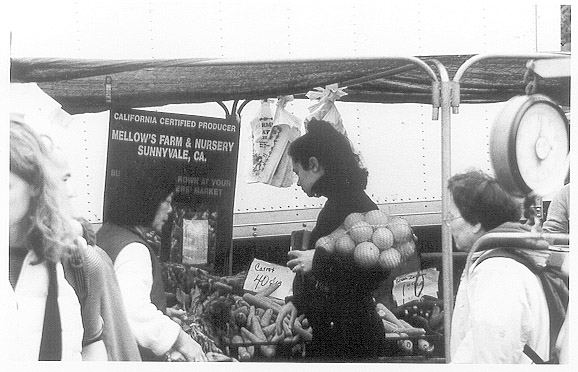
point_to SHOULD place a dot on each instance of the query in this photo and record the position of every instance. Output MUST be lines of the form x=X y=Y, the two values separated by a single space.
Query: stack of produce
x=413 y=326
x=227 y=321
x=372 y=239
x=253 y=327
x=206 y=300
x=426 y=312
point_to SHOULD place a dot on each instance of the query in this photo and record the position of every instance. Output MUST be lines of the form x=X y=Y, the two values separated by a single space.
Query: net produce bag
x=372 y=239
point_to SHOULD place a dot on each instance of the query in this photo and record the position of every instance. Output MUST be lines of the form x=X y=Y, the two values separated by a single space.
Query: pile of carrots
x=253 y=326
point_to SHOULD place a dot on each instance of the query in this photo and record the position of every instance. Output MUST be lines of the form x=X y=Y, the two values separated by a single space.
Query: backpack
x=555 y=286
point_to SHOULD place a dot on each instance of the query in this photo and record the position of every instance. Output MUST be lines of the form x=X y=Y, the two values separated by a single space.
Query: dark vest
x=113 y=238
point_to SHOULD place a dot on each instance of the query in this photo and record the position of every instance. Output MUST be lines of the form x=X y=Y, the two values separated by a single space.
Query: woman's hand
x=301 y=261
x=189 y=349
x=287 y=309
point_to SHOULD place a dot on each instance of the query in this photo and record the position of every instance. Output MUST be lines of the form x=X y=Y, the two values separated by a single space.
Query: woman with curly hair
x=334 y=294
x=45 y=306
x=500 y=304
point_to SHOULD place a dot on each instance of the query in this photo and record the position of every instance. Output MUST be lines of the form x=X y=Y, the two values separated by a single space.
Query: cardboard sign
x=262 y=274
x=413 y=286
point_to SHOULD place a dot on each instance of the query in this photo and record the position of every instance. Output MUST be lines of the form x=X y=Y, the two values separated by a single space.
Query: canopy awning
x=79 y=85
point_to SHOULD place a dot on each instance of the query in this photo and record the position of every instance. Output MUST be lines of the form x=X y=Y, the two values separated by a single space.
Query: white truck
x=405 y=144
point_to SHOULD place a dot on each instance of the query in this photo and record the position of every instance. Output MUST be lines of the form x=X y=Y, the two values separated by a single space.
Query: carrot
x=266 y=317
x=412 y=331
x=257 y=330
x=250 y=336
x=242 y=352
x=225 y=288
x=386 y=314
x=277 y=301
x=251 y=315
x=391 y=335
x=301 y=332
x=405 y=324
x=269 y=330
x=262 y=302
x=268 y=290
x=242 y=309
x=389 y=326
x=287 y=329
x=250 y=349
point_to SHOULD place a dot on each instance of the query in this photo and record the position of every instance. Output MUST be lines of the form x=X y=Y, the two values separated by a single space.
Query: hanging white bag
x=286 y=128
x=260 y=129
x=325 y=108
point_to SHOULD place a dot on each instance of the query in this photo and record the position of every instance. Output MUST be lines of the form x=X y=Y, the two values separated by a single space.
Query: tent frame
x=445 y=96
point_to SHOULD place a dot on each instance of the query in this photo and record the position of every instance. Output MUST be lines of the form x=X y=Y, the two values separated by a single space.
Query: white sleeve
x=499 y=316
x=152 y=329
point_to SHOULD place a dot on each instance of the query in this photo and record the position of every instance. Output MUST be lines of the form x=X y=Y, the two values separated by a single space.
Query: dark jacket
x=337 y=297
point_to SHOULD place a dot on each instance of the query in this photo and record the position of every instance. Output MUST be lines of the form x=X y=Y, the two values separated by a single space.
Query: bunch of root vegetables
x=254 y=332
x=416 y=327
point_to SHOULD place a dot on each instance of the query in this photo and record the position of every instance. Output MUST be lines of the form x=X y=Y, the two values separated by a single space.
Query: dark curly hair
x=480 y=199
x=136 y=201
x=333 y=151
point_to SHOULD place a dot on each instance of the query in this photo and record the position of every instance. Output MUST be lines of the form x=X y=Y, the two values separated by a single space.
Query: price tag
x=413 y=286
x=262 y=274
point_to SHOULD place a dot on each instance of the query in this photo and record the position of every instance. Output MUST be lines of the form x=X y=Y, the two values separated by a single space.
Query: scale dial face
x=529 y=146
x=542 y=147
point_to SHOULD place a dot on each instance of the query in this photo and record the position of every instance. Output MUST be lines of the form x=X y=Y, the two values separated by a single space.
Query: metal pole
x=447 y=254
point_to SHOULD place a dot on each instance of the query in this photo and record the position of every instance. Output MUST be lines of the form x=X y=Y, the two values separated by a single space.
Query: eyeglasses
x=447 y=221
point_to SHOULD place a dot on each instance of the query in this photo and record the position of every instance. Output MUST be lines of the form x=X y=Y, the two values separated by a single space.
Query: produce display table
x=222 y=318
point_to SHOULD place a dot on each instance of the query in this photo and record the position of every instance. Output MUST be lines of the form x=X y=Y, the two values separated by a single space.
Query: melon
x=366 y=255
x=338 y=233
x=389 y=259
x=377 y=218
x=382 y=238
x=352 y=219
x=344 y=245
x=325 y=242
x=406 y=249
x=361 y=232
x=400 y=230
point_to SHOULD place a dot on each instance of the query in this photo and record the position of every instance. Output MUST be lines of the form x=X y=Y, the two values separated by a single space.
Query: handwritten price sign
x=262 y=274
x=412 y=286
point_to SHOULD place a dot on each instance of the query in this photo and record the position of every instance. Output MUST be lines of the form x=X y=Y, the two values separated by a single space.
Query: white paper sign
x=262 y=274
x=195 y=241
x=413 y=286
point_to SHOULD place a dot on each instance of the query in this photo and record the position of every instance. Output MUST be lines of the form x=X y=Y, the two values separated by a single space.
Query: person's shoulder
x=502 y=266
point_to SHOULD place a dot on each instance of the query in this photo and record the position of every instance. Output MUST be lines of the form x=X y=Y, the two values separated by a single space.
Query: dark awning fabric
x=79 y=85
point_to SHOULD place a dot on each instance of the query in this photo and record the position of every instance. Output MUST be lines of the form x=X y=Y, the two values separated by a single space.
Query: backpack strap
x=555 y=297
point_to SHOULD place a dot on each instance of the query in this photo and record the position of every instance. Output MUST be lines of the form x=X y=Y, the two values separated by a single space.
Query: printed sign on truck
x=200 y=153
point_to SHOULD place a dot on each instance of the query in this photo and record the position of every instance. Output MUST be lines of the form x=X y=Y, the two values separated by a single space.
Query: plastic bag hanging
x=278 y=170
x=325 y=108
x=261 y=147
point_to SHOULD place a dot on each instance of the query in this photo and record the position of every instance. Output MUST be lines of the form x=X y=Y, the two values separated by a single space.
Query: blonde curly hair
x=49 y=232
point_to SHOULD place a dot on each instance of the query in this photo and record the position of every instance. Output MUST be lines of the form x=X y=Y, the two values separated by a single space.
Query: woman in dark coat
x=332 y=291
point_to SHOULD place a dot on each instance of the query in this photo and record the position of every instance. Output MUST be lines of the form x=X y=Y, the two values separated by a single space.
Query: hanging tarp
x=79 y=85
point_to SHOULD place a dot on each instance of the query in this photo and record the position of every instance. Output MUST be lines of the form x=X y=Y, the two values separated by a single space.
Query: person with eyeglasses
x=139 y=207
x=500 y=306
